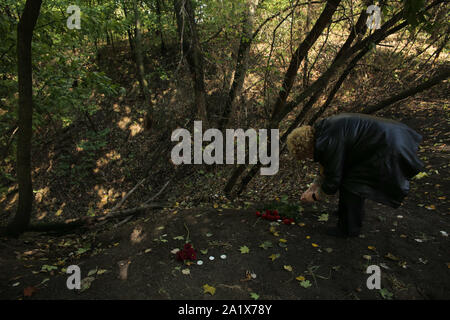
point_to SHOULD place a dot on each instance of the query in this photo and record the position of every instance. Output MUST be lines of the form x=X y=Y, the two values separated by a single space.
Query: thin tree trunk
x=129 y=33
x=25 y=113
x=160 y=30
x=191 y=49
x=141 y=70
x=241 y=62
x=305 y=63
x=300 y=53
x=408 y=92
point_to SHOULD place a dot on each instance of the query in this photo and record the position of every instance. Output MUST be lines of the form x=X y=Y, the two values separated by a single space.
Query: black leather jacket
x=367 y=155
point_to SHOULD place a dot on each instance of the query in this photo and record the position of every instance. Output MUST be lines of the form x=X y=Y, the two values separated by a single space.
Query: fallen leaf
x=265 y=245
x=244 y=249
x=391 y=257
x=86 y=283
x=92 y=272
x=300 y=278
x=385 y=294
x=209 y=289
x=305 y=284
x=420 y=175
x=315 y=245
x=288 y=268
x=254 y=296
x=274 y=256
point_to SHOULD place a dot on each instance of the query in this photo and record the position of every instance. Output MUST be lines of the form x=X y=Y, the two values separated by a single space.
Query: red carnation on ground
x=187 y=253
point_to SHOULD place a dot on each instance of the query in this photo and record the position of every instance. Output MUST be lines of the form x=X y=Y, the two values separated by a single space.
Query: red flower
x=286 y=221
x=258 y=213
x=188 y=253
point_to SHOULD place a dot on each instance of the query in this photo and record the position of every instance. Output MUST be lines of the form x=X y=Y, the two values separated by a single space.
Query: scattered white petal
x=400 y=217
x=418 y=240
x=199 y=262
x=445 y=234
x=224 y=256
x=211 y=258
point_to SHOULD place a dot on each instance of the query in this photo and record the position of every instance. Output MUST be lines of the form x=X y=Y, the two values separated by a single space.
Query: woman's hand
x=311 y=195
x=307 y=196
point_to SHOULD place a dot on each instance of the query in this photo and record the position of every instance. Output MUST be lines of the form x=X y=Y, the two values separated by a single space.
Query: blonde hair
x=300 y=142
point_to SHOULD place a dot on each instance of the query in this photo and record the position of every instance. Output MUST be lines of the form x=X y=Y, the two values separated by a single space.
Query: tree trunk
x=191 y=49
x=408 y=92
x=140 y=68
x=300 y=53
x=25 y=113
x=129 y=32
x=241 y=62
x=160 y=30
x=305 y=63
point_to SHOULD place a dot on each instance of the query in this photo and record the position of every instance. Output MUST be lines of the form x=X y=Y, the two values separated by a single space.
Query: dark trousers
x=350 y=212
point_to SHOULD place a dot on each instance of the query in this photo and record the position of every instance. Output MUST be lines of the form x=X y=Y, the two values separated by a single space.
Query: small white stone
x=211 y=258
x=224 y=256
x=199 y=262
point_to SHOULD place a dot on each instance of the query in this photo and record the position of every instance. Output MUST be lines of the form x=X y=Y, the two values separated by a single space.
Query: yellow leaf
x=288 y=268
x=308 y=237
x=58 y=212
x=216 y=205
x=209 y=289
x=391 y=256
x=283 y=240
x=315 y=245
x=301 y=224
x=300 y=278
x=371 y=248
x=274 y=256
x=431 y=207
